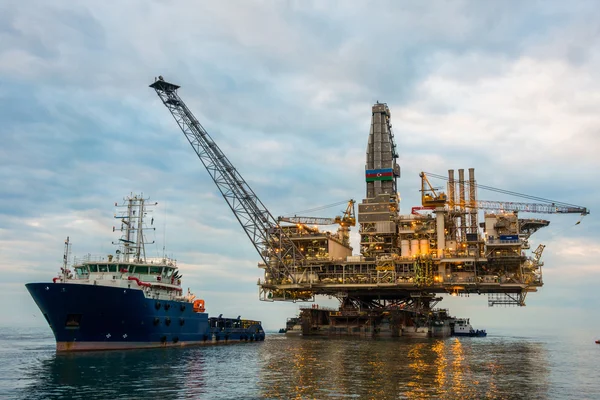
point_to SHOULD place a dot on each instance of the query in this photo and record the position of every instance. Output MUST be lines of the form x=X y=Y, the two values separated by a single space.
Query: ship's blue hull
x=91 y=317
x=471 y=334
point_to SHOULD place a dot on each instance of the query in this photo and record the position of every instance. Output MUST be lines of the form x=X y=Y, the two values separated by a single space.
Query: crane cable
x=289 y=214
x=553 y=233
x=525 y=196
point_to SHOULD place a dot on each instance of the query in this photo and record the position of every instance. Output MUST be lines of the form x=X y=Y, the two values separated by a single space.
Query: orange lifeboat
x=199 y=305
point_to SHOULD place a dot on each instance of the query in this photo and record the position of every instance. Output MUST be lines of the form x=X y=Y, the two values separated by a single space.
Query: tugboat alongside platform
x=462 y=327
x=127 y=301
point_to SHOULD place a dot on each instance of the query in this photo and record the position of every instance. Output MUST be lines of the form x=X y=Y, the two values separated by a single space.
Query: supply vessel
x=126 y=301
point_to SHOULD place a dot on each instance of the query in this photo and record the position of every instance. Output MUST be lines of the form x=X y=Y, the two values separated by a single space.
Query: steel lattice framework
x=277 y=251
x=530 y=207
x=308 y=220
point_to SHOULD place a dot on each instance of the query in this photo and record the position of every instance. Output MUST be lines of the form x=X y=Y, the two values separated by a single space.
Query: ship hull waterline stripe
x=103 y=346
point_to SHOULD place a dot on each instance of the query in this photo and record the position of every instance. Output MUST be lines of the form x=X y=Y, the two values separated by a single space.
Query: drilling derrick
x=380 y=229
x=379 y=210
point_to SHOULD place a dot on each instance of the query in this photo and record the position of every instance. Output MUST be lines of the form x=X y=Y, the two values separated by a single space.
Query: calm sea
x=496 y=367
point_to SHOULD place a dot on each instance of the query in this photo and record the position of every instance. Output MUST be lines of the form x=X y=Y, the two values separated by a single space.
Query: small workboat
x=462 y=327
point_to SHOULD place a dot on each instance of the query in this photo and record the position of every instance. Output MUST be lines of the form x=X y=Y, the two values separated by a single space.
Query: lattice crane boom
x=348 y=219
x=545 y=207
x=258 y=223
x=308 y=220
x=530 y=207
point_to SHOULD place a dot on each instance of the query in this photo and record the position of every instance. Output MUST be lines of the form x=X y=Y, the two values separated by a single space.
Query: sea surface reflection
x=290 y=368
x=464 y=368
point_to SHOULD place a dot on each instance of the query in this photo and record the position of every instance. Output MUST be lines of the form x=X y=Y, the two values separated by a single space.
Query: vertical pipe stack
x=451 y=187
x=472 y=201
x=441 y=234
x=461 y=194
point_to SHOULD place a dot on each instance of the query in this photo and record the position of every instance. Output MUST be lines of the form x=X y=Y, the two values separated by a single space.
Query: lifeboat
x=199 y=305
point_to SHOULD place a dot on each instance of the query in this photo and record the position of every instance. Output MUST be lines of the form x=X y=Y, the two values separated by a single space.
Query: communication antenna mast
x=133 y=241
x=66 y=258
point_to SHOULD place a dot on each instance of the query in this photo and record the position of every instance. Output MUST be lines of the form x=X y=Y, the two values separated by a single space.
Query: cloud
x=286 y=91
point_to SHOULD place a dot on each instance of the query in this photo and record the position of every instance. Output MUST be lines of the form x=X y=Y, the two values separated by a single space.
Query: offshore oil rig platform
x=406 y=261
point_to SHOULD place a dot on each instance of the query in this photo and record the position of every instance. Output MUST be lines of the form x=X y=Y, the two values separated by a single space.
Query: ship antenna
x=66 y=259
x=133 y=240
x=165 y=233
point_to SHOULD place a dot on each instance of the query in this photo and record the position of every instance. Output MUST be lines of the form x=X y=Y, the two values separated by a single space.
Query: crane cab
x=429 y=197
x=439 y=200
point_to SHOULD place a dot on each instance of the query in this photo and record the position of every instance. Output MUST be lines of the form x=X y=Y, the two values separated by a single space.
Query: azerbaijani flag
x=384 y=174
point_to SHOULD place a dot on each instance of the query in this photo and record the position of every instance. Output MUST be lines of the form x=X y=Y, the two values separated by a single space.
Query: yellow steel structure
x=404 y=260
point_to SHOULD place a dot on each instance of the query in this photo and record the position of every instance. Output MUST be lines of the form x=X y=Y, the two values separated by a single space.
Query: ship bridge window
x=112 y=268
x=140 y=269
x=169 y=272
x=102 y=268
x=155 y=270
x=93 y=267
x=80 y=271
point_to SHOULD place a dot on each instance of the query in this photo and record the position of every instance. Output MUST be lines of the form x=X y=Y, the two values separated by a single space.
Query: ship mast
x=66 y=258
x=132 y=241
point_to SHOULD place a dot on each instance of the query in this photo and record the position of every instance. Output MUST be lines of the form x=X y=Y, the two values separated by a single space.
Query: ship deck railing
x=92 y=258
x=504 y=241
x=229 y=329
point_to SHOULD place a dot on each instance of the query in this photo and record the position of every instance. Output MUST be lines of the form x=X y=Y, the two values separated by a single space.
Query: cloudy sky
x=285 y=88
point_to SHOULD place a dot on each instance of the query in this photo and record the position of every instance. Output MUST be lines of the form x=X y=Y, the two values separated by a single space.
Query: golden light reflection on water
x=460 y=372
x=379 y=372
x=419 y=368
x=439 y=348
x=317 y=368
x=493 y=369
